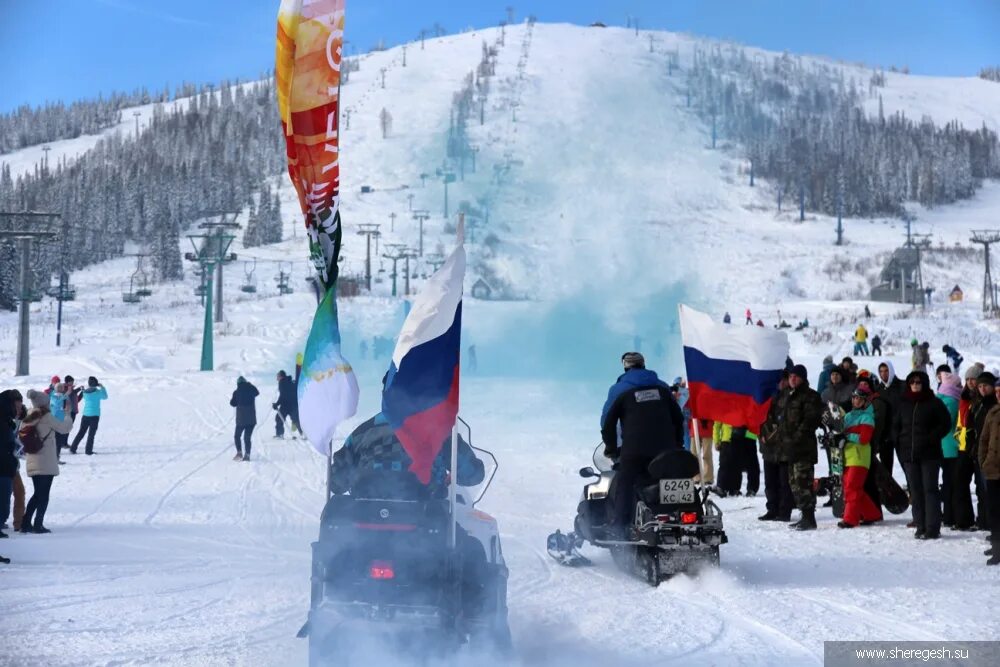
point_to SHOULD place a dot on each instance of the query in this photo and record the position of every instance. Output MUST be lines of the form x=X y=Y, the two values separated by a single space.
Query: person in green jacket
x=950 y=392
x=859 y=426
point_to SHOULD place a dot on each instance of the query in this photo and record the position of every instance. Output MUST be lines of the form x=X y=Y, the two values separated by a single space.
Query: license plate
x=676 y=491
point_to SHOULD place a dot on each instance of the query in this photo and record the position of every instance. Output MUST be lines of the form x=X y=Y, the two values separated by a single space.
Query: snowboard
x=837 y=477
x=892 y=495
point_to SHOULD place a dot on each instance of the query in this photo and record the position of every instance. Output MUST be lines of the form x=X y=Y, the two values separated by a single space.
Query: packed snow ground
x=165 y=551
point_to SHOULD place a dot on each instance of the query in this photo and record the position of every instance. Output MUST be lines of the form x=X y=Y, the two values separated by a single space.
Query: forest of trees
x=27 y=126
x=990 y=74
x=212 y=154
x=804 y=128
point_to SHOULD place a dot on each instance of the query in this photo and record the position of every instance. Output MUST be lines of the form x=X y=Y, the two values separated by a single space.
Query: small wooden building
x=482 y=290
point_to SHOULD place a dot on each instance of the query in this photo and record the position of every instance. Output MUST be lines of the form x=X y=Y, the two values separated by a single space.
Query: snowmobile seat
x=674 y=464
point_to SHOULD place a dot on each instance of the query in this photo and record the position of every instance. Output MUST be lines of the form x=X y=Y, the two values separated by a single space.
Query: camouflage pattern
x=800 y=478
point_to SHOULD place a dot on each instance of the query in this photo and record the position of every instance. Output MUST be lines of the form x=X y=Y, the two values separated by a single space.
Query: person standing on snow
x=287 y=405
x=949 y=392
x=92 y=397
x=859 y=427
x=245 y=401
x=58 y=405
x=10 y=407
x=920 y=424
x=861 y=340
x=838 y=391
x=985 y=387
x=42 y=465
x=876 y=345
x=726 y=319
x=749 y=317
x=73 y=394
x=824 y=376
x=989 y=463
x=965 y=469
x=651 y=423
x=776 y=489
x=800 y=416
x=953 y=356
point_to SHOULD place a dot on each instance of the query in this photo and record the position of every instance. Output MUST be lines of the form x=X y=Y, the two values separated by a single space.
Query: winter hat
x=986 y=378
x=633 y=360
x=55 y=380
x=943 y=368
x=838 y=370
x=801 y=371
x=68 y=378
x=828 y=360
x=951 y=386
x=678 y=380
x=240 y=380
x=974 y=371
x=92 y=381
x=862 y=391
x=38 y=399
x=913 y=342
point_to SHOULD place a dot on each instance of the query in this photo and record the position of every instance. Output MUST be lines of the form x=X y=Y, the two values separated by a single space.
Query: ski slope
x=164 y=551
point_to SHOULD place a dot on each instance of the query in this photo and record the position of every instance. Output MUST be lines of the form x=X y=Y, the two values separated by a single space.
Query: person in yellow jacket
x=861 y=341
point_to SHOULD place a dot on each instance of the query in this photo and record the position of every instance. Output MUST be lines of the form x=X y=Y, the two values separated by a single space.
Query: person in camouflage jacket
x=796 y=432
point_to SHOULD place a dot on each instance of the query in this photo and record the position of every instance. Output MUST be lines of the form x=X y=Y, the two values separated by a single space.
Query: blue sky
x=67 y=49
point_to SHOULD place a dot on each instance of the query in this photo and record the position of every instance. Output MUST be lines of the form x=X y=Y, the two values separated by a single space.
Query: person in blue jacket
x=92 y=397
x=651 y=422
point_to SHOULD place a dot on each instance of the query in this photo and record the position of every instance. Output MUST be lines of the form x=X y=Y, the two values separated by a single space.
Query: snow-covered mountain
x=607 y=207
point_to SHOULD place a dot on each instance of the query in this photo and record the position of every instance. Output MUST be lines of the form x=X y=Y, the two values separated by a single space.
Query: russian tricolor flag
x=733 y=371
x=420 y=398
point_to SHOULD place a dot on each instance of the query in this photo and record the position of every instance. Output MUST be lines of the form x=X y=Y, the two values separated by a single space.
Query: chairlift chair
x=129 y=295
x=249 y=285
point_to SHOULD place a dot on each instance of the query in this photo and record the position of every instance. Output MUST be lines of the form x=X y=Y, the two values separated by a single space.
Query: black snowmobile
x=393 y=574
x=676 y=526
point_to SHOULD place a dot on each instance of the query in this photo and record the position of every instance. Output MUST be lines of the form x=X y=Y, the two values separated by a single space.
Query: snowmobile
x=396 y=573
x=676 y=526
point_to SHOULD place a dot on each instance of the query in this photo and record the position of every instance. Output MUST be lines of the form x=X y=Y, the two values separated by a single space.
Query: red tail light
x=689 y=517
x=381 y=569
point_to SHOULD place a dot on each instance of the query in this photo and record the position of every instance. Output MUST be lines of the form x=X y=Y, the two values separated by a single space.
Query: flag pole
x=694 y=419
x=453 y=487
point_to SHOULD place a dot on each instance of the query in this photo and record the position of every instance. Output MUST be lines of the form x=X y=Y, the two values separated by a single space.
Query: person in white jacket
x=43 y=465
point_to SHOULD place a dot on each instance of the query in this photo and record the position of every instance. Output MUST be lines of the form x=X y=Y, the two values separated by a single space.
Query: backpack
x=30 y=439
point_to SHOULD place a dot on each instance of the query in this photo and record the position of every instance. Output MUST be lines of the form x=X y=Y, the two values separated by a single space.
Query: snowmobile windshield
x=601 y=462
x=476 y=492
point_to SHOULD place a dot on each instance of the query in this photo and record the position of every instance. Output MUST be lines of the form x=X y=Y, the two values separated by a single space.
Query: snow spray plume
x=577 y=338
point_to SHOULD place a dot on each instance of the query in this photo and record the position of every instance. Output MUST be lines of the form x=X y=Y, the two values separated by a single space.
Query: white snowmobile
x=394 y=575
x=675 y=528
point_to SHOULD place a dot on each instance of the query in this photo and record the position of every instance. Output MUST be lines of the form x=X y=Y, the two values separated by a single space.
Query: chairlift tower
x=24 y=234
x=368 y=230
x=986 y=238
x=395 y=252
x=213 y=251
x=421 y=216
